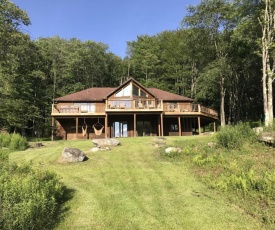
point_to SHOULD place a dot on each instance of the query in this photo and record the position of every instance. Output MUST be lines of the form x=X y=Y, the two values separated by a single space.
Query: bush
x=13 y=141
x=5 y=140
x=18 y=142
x=233 y=137
x=30 y=199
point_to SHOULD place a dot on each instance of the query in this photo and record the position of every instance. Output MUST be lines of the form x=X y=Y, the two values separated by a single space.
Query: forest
x=222 y=55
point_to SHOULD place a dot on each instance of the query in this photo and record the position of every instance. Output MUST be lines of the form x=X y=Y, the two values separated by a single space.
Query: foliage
x=244 y=172
x=132 y=182
x=233 y=137
x=30 y=199
x=13 y=141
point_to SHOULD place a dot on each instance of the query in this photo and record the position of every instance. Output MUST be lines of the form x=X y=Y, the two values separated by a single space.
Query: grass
x=133 y=187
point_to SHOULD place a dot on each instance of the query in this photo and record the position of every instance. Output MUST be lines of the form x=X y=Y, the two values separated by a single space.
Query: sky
x=112 y=22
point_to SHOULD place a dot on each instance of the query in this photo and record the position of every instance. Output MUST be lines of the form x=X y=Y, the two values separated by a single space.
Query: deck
x=133 y=106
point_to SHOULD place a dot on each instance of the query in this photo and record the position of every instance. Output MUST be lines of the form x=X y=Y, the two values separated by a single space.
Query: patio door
x=144 y=128
x=120 y=129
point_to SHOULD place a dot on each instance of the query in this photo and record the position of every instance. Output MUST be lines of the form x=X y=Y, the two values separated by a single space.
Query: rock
x=173 y=149
x=258 y=130
x=106 y=142
x=212 y=144
x=106 y=148
x=158 y=139
x=70 y=155
x=267 y=137
x=160 y=144
x=38 y=145
x=95 y=149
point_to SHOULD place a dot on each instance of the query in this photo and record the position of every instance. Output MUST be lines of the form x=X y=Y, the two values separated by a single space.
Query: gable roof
x=102 y=93
x=167 y=96
x=126 y=83
x=91 y=94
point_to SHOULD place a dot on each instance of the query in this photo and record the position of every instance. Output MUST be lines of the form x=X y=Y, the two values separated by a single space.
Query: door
x=144 y=128
x=120 y=129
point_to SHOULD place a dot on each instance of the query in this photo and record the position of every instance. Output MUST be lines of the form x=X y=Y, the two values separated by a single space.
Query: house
x=129 y=110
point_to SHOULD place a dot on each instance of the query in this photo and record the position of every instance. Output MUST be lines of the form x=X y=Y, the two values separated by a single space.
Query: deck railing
x=189 y=108
x=84 y=108
x=134 y=104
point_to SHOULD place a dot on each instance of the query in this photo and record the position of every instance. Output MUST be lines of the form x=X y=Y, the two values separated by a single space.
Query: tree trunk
x=268 y=29
x=222 y=113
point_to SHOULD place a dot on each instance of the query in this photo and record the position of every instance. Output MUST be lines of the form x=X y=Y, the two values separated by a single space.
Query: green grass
x=133 y=187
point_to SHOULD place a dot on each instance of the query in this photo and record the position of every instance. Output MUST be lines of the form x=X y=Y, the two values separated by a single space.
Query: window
x=131 y=90
x=172 y=106
x=125 y=92
x=86 y=107
x=174 y=127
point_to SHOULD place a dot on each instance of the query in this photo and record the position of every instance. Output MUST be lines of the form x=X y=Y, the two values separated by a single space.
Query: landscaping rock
x=158 y=139
x=106 y=142
x=173 y=149
x=71 y=155
x=267 y=137
x=212 y=144
x=95 y=149
x=258 y=130
x=160 y=144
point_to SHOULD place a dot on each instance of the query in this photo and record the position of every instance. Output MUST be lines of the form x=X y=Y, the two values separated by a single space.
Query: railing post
x=199 y=108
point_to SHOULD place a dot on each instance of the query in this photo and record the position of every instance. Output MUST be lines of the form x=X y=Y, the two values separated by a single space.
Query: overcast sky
x=112 y=22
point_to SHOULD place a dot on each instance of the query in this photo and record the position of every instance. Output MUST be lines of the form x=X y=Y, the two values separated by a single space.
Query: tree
x=268 y=58
x=214 y=16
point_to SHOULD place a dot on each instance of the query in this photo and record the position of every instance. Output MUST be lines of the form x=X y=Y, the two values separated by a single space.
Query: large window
x=125 y=92
x=131 y=90
x=86 y=107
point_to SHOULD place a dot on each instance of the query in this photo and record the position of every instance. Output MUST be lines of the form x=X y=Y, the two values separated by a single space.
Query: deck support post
x=106 y=126
x=76 y=128
x=199 y=125
x=179 y=126
x=135 y=124
x=215 y=129
x=53 y=120
x=161 y=124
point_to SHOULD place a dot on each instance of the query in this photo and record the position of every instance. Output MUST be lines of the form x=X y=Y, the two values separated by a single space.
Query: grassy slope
x=131 y=187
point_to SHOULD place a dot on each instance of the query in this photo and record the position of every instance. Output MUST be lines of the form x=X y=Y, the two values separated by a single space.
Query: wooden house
x=129 y=110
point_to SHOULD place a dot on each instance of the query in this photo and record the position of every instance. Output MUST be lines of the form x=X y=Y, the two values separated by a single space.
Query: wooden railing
x=190 y=108
x=134 y=104
x=57 y=108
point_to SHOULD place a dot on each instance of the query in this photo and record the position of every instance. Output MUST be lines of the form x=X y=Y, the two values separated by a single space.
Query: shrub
x=5 y=140
x=233 y=137
x=13 y=141
x=30 y=199
x=18 y=142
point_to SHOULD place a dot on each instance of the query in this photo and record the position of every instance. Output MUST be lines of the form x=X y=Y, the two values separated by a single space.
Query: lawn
x=133 y=187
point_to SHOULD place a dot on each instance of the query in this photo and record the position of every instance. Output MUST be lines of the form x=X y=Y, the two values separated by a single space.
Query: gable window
x=125 y=92
x=131 y=90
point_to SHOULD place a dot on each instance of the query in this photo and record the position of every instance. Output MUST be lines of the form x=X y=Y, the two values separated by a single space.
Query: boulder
x=160 y=144
x=267 y=137
x=106 y=142
x=71 y=155
x=173 y=150
x=95 y=149
x=212 y=144
x=258 y=130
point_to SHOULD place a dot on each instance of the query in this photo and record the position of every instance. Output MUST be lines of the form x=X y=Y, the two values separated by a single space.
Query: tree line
x=222 y=56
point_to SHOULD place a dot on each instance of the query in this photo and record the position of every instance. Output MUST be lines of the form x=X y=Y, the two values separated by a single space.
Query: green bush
x=13 y=141
x=5 y=140
x=233 y=137
x=30 y=199
x=18 y=142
